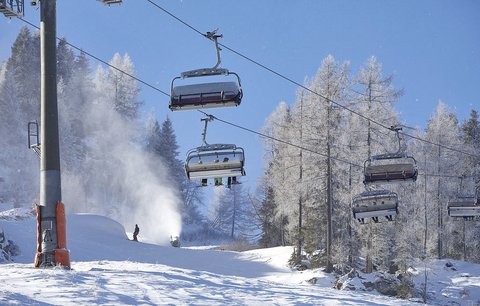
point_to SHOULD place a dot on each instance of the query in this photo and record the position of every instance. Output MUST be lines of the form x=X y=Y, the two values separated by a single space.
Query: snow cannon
x=175 y=241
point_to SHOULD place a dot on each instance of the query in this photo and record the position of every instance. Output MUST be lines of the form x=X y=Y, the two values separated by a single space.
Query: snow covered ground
x=109 y=269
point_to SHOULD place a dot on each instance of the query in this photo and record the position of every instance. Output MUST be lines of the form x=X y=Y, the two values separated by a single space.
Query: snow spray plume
x=121 y=180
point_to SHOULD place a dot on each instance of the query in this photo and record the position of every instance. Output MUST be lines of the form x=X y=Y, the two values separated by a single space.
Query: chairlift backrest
x=390 y=167
x=374 y=204
x=375 y=196
x=389 y=156
x=466 y=207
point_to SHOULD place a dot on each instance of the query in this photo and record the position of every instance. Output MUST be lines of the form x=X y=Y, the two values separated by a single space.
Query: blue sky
x=431 y=47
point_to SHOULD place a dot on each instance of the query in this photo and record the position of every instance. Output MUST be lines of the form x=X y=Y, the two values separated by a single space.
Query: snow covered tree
x=442 y=129
x=471 y=138
x=375 y=99
x=65 y=61
x=118 y=89
x=231 y=212
x=278 y=158
x=19 y=104
x=169 y=153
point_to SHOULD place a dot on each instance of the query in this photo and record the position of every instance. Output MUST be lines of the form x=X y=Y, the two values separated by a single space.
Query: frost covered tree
x=168 y=141
x=375 y=98
x=104 y=167
x=65 y=61
x=19 y=104
x=119 y=90
x=470 y=130
x=278 y=173
x=318 y=125
x=324 y=164
x=442 y=129
x=230 y=213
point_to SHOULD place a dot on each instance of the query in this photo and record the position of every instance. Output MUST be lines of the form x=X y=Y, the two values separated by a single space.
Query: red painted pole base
x=61 y=253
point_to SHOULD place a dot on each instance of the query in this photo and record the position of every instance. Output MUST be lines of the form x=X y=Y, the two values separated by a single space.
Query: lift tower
x=51 y=248
x=51 y=222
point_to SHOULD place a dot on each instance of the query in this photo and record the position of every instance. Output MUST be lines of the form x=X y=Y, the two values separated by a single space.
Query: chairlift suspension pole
x=204 y=133
x=214 y=36
x=397 y=130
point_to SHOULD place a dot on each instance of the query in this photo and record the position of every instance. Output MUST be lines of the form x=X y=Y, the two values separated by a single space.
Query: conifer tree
x=271 y=235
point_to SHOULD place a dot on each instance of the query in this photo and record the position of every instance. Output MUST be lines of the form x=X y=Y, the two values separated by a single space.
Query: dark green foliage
x=271 y=229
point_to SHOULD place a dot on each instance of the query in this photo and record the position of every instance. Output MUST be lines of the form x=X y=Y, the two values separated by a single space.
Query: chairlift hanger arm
x=397 y=129
x=214 y=37
x=204 y=133
x=215 y=70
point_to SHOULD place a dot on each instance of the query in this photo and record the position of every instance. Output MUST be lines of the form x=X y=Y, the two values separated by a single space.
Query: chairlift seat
x=390 y=172
x=467 y=207
x=8 y=13
x=13 y=10
x=111 y=1
x=374 y=204
x=206 y=95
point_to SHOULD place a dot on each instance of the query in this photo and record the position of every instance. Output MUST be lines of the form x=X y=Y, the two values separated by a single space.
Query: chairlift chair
x=214 y=161
x=34 y=137
x=390 y=166
x=374 y=204
x=209 y=94
x=467 y=207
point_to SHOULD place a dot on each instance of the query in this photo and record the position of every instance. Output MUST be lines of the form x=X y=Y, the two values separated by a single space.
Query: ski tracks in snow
x=133 y=283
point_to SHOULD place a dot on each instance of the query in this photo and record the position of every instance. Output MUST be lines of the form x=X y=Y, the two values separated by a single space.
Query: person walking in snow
x=135 y=232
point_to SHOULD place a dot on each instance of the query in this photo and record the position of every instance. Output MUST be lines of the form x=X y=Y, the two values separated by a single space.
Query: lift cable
x=221 y=120
x=100 y=60
x=303 y=148
x=308 y=89
x=279 y=140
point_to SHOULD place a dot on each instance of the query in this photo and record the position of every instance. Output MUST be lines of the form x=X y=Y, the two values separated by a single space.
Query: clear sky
x=431 y=47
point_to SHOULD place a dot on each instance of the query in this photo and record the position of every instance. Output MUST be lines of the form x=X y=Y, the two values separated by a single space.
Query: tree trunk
x=440 y=215
x=329 y=266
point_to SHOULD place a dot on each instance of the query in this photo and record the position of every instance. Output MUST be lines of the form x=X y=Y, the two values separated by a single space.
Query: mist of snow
x=118 y=177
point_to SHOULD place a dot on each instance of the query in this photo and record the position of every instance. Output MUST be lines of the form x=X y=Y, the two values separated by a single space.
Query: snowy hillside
x=107 y=268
